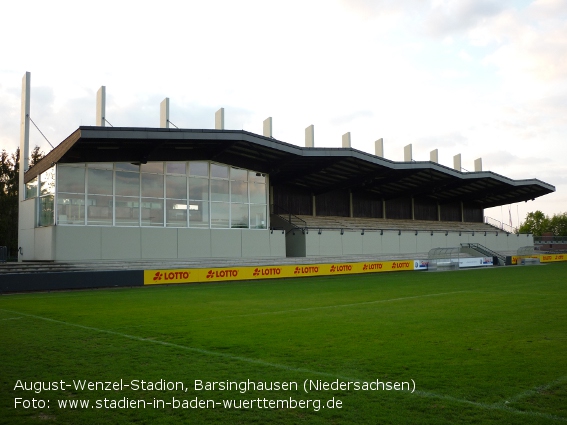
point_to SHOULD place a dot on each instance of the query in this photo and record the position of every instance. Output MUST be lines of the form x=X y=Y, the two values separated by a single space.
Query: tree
x=537 y=223
x=36 y=156
x=558 y=224
x=9 y=182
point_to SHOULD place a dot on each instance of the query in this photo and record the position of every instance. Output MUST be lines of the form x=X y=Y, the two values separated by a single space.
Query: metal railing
x=499 y=225
x=3 y=254
x=292 y=219
x=484 y=250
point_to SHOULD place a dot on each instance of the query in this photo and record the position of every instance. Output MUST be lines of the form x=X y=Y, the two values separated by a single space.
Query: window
x=71 y=179
x=152 y=167
x=219 y=171
x=99 y=181
x=31 y=189
x=219 y=191
x=176 y=167
x=47 y=182
x=198 y=194
x=46 y=210
x=127 y=184
x=99 y=195
x=176 y=202
x=71 y=194
x=99 y=210
x=199 y=168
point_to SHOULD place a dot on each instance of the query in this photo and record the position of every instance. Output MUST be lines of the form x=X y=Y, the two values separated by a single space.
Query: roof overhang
x=318 y=169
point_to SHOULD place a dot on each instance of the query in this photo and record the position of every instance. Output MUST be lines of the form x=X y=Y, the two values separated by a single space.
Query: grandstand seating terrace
x=359 y=223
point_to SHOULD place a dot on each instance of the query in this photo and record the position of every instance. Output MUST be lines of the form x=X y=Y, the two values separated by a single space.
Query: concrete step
x=153 y=264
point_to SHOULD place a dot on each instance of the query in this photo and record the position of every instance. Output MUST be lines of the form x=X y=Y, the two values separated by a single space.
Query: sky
x=486 y=79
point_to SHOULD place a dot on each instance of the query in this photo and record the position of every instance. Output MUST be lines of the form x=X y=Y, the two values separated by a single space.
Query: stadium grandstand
x=115 y=193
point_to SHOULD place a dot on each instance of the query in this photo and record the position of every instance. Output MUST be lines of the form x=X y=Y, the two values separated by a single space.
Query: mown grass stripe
x=262 y=313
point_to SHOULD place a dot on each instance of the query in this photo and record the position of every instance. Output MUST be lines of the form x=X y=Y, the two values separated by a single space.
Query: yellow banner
x=543 y=258
x=549 y=258
x=159 y=277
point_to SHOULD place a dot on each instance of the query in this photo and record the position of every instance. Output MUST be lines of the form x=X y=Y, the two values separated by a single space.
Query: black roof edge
x=96 y=132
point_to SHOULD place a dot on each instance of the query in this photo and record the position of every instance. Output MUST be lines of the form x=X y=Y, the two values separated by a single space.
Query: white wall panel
x=44 y=244
x=121 y=243
x=255 y=243
x=226 y=243
x=159 y=243
x=193 y=243
x=75 y=243
x=352 y=243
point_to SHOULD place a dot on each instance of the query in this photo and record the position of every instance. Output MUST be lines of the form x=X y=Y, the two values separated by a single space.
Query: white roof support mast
x=24 y=151
x=164 y=113
x=101 y=107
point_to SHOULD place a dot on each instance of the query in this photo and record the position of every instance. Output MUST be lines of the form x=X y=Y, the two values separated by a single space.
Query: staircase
x=484 y=251
x=293 y=221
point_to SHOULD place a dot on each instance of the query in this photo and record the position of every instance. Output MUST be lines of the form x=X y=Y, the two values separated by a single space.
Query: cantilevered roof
x=318 y=169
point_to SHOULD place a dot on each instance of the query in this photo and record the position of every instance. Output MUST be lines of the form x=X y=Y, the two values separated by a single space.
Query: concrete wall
x=84 y=243
x=332 y=243
x=43 y=240
x=26 y=229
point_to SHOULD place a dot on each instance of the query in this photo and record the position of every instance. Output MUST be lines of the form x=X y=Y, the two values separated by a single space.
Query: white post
x=24 y=152
x=379 y=147
x=408 y=153
x=268 y=127
x=346 y=140
x=457 y=162
x=314 y=203
x=101 y=106
x=219 y=119
x=478 y=164
x=434 y=156
x=164 y=113
x=412 y=208
x=310 y=136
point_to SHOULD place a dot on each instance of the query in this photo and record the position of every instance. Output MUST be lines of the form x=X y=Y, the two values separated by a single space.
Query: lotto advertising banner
x=543 y=258
x=159 y=277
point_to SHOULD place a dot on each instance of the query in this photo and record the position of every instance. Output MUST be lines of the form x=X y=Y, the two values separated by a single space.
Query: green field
x=482 y=346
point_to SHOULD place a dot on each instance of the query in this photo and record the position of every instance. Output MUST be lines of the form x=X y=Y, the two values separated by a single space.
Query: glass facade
x=46 y=193
x=199 y=194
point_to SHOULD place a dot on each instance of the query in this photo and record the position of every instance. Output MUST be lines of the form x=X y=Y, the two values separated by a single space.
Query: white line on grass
x=533 y=391
x=183 y=347
x=262 y=313
x=12 y=318
x=495 y=406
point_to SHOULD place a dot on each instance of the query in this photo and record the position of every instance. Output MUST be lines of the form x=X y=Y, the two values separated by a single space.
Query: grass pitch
x=482 y=346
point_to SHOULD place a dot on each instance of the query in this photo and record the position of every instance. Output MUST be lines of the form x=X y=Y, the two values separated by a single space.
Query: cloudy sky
x=478 y=77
